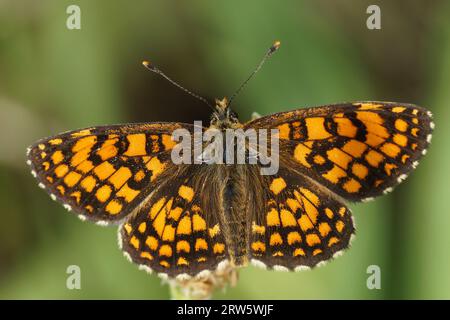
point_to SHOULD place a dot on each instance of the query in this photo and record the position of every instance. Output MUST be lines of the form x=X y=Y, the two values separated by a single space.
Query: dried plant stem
x=203 y=287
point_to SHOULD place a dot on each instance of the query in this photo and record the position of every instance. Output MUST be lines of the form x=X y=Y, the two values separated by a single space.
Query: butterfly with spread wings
x=180 y=220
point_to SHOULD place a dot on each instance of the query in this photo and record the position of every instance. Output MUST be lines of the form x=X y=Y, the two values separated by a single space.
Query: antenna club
x=275 y=46
x=150 y=66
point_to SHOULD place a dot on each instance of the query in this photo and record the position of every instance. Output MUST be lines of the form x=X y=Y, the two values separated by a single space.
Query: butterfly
x=184 y=220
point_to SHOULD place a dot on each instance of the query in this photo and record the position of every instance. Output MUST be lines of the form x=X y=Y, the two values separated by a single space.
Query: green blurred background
x=53 y=79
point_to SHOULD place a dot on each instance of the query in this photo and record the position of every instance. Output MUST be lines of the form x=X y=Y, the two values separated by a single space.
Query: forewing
x=357 y=150
x=103 y=173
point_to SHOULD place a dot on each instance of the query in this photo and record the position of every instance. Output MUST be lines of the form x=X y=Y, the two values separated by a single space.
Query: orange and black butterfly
x=182 y=220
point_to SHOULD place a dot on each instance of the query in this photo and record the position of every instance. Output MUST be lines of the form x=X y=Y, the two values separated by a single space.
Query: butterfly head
x=223 y=117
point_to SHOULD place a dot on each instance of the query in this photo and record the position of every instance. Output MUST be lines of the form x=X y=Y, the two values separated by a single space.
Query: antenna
x=268 y=54
x=155 y=69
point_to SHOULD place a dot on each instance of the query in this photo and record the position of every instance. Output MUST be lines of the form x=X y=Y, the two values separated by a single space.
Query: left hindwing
x=176 y=231
x=357 y=150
